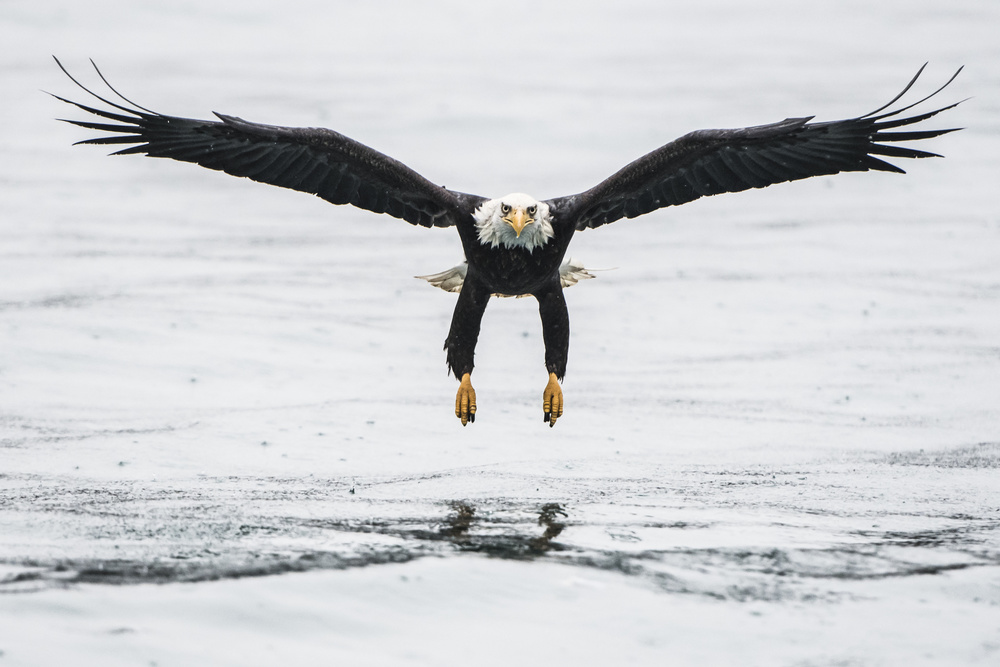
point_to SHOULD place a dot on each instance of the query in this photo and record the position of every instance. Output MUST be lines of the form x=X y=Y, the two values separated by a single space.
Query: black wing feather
x=709 y=162
x=314 y=160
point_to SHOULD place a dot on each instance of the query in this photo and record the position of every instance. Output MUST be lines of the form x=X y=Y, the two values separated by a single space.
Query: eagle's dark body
x=511 y=271
x=344 y=171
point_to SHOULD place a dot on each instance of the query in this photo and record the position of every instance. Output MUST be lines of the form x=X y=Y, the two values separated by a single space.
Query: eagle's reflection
x=470 y=531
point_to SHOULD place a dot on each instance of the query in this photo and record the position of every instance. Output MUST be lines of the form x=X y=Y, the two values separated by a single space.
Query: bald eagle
x=514 y=245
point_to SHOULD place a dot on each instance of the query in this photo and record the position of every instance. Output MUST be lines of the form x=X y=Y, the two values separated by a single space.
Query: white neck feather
x=493 y=231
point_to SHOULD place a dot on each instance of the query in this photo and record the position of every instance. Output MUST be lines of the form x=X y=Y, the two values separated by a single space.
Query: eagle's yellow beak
x=518 y=219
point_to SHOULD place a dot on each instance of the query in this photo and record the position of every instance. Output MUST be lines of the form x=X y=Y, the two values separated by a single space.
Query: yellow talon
x=465 y=401
x=552 y=400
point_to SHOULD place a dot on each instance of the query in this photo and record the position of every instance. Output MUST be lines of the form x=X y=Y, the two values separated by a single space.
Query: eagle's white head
x=516 y=220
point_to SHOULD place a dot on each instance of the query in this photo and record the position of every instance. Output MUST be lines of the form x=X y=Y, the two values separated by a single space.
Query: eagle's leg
x=461 y=345
x=555 y=333
x=465 y=401
x=552 y=400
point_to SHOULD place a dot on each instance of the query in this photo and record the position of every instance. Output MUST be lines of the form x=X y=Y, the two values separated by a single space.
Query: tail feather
x=570 y=273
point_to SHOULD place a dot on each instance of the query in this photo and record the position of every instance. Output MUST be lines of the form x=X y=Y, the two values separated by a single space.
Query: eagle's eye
x=505 y=208
x=532 y=209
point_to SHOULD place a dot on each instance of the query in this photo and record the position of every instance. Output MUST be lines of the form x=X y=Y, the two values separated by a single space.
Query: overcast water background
x=226 y=431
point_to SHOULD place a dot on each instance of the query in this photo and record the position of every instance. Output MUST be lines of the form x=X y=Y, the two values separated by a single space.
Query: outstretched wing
x=318 y=161
x=710 y=162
